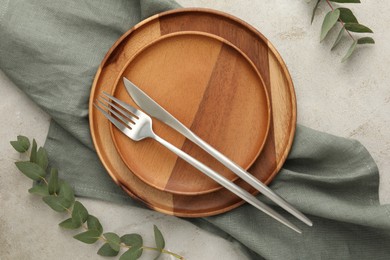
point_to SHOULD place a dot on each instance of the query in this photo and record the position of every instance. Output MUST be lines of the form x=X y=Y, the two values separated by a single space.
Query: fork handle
x=243 y=194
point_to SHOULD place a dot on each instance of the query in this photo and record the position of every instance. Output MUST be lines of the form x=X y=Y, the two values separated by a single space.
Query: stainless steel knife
x=151 y=107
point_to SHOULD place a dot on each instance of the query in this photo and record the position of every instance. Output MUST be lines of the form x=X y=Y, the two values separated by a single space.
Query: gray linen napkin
x=51 y=50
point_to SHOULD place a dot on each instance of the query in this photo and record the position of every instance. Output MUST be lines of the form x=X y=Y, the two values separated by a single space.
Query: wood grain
x=267 y=61
x=212 y=88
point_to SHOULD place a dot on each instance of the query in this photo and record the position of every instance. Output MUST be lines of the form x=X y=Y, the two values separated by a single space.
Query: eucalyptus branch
x=340 y=21
x=59 y=196
x=348 y=22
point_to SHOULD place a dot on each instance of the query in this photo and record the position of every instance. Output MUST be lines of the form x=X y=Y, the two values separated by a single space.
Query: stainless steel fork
x=137 y=126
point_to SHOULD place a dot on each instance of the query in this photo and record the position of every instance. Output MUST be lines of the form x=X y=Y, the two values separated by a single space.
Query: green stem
x=341 y=22
x=163 y=251
x=122 y=245
x=45 y=181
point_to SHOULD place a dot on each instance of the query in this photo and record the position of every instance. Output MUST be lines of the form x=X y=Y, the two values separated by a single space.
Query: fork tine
x=131 y=109
x=119 y=116
x=116 y=122
x=129 y=116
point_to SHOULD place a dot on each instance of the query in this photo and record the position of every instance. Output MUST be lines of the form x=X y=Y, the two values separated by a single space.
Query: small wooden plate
x=213 y=89
x=267 y=61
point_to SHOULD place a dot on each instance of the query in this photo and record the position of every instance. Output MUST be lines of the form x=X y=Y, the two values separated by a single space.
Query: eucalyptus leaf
x=358 y=28
x=88 y=237
x=339 y=36
x=39 y=189
x=24 y=141
x=350 y=51
x=42 y=159
x=132 y=254
x=132 y=240
x=366 y=40
x=53 y=185
x=31 y=170
x=94 y=224
x=18 y=146
x=79 y=213
x=159 y=239
x=69 y=224
x=329 y=21
x=314 y=11
x=22 y=144
x=347 y=16
x=33 y=154
x=66 y=192
x=106 y=250
x=113 y=240
x=57 y=203
x=346 y=1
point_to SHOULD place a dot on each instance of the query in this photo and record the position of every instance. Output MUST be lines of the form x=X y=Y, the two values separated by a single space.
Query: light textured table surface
x=349 y=99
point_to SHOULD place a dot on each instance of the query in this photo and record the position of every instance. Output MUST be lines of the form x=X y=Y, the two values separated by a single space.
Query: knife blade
x=151 y=107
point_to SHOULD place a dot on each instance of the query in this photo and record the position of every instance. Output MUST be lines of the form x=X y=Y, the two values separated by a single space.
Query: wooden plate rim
x=291 y=91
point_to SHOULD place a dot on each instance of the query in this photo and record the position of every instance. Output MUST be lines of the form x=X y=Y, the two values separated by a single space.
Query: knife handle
x=226 y=183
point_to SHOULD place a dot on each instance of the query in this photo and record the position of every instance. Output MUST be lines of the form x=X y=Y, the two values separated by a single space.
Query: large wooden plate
x=272 y=69
x=213 y=89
